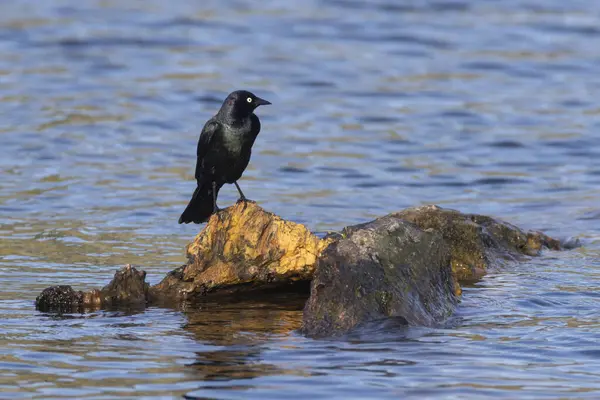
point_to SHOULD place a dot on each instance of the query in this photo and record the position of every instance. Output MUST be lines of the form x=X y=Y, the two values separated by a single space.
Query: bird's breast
x=233 y=144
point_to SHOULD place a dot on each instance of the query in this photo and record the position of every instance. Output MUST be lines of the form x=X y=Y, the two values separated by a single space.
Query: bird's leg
x=242 y=197
x=216 y=209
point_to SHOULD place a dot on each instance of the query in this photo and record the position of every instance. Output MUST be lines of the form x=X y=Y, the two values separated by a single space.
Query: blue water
x=482 y=106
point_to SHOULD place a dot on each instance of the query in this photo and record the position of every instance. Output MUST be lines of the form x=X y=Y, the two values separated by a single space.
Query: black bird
x=223 y=153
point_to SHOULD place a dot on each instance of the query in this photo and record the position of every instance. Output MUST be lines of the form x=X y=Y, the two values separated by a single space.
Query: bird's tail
x=200 y=207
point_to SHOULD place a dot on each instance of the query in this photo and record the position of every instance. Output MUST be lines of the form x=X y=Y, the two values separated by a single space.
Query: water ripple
x=485 y=107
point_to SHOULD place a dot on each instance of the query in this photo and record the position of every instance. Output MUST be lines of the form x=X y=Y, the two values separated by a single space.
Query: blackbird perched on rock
x=223 y=153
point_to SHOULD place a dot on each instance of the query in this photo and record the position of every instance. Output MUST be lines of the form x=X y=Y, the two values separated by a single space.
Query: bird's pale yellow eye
x=249 y=99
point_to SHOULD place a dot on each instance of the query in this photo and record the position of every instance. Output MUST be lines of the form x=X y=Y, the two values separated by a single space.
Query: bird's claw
x=245 y=201
x=217 y=213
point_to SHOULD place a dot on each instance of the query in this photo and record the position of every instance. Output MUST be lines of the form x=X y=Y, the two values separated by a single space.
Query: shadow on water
x=242 y=328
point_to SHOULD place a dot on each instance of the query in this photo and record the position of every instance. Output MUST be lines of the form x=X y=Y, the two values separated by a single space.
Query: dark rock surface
x=385 y=268
x=477 y=242
x=60 y=299
x=128 y=287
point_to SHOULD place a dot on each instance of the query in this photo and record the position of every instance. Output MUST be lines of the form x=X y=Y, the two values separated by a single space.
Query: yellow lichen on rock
x=245 y=244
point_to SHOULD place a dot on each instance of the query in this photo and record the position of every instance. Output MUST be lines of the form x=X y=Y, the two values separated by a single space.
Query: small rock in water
x=59 y=298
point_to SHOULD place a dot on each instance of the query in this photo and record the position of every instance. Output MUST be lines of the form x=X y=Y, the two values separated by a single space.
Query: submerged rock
x=128 y=287
x=406 y=265
x=243 y=248
x=385 y=268
x=477 y=242
x=60 y=298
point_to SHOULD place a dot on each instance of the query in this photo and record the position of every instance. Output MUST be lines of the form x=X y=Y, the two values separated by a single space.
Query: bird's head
x=242 y=103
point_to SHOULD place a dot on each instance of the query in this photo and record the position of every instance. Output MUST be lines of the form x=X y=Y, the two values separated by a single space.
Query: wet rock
x=59 y=298
x=243 y=248
x=570 y=243
x=403 y=265
x=385 y=268
x=477 y=242
x=128 y=287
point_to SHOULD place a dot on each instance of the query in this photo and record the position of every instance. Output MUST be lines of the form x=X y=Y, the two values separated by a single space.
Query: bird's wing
x=211 y=128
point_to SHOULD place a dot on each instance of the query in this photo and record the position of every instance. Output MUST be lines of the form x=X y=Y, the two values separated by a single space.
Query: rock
x=570 y=243
x=403 y=265
x=385 y=268
x=243 y=248
x=478 y=243
x=128 y=287
x=59 y=298
x=406 y=265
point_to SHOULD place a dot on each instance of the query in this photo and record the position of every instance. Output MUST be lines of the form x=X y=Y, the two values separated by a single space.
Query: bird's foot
x=217 y=213
x=243 y=199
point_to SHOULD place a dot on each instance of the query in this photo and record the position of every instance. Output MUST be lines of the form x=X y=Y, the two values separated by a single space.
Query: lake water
x=483 y=106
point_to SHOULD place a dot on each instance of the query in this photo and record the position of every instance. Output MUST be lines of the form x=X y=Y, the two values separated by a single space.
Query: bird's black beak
x=261 y=102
